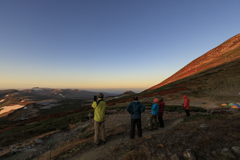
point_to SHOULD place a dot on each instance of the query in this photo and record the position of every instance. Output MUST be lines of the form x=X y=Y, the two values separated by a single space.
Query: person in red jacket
x=161 y=105
x=186 y=105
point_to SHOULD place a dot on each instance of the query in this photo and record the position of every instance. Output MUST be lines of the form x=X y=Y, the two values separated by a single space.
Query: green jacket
x=99 y=110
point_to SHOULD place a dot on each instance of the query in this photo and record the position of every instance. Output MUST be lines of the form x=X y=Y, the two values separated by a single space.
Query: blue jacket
x=135 y=108
x=155 y=109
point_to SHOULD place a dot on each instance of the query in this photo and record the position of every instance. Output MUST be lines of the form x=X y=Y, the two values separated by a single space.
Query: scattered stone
x=174 y=157
x=189 y=155
x=90 y=115
x=14 y=151
x=227 y=153
x=236 y=150
x=160 y=145
x=203 y=126
x=39 y=141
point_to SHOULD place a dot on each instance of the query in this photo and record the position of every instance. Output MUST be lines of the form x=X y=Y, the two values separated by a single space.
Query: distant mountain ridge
x=224 y=53
x=64 y=93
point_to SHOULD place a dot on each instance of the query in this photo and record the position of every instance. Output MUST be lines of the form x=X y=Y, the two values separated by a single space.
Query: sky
x=107 y=45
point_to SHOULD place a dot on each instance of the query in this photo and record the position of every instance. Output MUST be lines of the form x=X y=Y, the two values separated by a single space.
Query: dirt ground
x=119 y=119
x=97 y=152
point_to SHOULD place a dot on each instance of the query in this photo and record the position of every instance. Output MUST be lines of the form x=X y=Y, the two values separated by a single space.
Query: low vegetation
x=44 y=126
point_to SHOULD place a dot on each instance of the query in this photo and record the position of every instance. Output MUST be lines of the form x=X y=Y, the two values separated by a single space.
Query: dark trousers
x=160 y=119
x=139 y=127
x=187 y=113
x=153 y=122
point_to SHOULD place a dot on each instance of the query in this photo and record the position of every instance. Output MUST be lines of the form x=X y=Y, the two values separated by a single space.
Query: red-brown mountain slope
x=224 y=53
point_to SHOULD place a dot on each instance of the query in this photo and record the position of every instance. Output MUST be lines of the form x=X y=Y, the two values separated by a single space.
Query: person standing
x=153 y=119
x=99 y=118
x=135 y=108
x=161 y=105
x=186 y=105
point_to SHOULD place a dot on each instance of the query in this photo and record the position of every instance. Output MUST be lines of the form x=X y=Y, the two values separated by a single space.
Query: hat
x=184 y=96
x=100 y=95
x=155 y=100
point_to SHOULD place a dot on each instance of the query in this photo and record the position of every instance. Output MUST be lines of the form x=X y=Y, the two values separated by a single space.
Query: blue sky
x=107 y=45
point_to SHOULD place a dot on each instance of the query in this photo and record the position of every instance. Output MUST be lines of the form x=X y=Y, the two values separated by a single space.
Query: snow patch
x=61 y=95
x=9 y=108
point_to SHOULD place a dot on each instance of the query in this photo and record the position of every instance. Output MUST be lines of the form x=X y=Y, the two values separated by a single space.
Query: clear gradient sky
x=108 y=45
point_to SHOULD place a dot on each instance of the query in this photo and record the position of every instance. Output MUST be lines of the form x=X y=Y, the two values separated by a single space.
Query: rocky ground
x=203 y=136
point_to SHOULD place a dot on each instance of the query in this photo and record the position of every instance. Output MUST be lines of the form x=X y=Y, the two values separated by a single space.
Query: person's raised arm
x=94 y=104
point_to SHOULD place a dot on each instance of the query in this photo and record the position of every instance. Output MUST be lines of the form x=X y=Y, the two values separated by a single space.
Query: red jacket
x=186 y=102
x=161 y=106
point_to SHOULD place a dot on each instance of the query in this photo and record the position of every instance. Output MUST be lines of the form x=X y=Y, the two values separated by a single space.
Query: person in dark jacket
x=153 y=119
x=135 y=108
x=161 y=105
x=186 y=105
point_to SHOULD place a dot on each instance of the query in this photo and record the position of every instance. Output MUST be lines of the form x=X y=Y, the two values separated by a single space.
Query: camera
x=95 y=98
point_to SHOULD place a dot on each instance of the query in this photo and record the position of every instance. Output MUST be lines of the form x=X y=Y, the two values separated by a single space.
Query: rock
x=203 y=126
x=212 y=111
x=162 y=156
x=14 y=151
x=236 y=150
x=189 y=155
x=39 y=141
x=227 y=153
x=174 y=157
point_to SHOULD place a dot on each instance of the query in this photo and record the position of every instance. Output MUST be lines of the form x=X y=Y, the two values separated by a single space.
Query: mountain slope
x=224 y=53
x=215 y=74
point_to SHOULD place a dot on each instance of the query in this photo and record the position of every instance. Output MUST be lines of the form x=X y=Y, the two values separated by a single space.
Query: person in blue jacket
x=153 y=119
x=135 y=108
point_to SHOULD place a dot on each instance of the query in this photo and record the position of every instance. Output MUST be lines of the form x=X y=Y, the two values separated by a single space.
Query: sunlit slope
x=224 y=53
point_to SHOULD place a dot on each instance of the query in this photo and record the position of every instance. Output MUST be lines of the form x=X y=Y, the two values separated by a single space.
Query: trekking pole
x=50 y=149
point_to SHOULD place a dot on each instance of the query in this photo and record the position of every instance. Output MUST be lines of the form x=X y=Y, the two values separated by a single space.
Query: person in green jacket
x=99 y=118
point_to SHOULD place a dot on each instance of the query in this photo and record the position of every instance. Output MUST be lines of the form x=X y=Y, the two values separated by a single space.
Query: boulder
x=189 y=155
x=227 y=153
x=203 y=126
x=174 y=157
x=236 y=150
x=39 y=141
